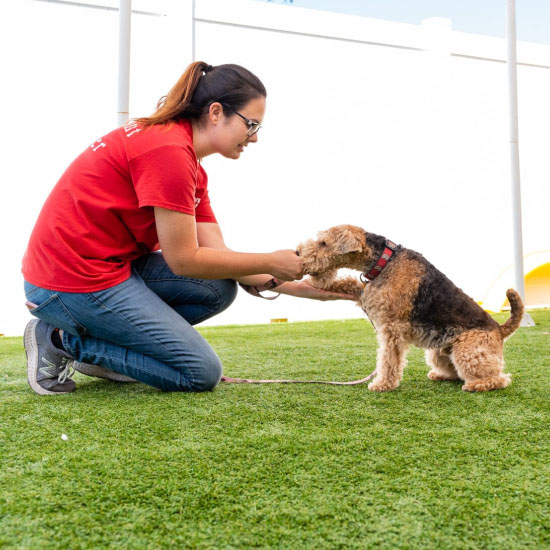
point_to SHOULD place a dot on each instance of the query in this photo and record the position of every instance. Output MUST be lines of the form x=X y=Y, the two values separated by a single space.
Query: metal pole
x=193 y=7
x=519 y=280
x=124 y=31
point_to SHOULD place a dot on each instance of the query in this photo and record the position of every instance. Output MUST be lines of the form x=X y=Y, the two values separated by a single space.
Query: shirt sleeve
x=166 y=177
x=203 y=209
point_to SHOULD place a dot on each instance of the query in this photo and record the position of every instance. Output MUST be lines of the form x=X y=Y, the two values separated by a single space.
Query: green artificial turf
x=281 y=466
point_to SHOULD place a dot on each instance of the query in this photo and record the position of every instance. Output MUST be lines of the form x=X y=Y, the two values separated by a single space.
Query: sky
x=474 y=16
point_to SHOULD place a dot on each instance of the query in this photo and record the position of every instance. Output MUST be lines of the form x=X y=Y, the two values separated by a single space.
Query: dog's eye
x=322 y=244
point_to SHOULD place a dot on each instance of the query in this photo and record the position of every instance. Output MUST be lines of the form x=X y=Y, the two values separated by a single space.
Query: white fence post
x=519 y=280
x=124 y=32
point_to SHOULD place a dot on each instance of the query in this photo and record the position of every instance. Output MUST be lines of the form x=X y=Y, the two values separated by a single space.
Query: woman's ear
x=215 y=112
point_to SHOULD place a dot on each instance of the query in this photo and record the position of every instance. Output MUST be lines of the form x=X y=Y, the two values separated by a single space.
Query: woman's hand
x=286 y=265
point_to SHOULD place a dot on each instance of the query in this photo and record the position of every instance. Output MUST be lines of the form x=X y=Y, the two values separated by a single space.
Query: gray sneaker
x=101 y=372
x=49 y=369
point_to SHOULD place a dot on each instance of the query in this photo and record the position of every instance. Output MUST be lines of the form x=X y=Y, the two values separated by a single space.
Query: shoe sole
x=100 y=372
x=31 y=351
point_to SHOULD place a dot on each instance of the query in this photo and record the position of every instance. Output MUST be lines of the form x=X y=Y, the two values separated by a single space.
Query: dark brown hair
x=201 y=85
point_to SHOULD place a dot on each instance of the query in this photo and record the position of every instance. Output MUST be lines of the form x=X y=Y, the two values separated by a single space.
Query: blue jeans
x=142 y=327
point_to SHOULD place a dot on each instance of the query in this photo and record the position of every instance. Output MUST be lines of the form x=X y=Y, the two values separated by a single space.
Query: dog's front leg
x=390 y=363
x=345 y=285
x=323 y=280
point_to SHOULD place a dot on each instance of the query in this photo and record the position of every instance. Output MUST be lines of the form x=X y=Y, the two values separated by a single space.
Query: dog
x=409 y=302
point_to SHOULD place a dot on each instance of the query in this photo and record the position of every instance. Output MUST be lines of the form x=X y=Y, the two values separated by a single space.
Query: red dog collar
x=381 y=263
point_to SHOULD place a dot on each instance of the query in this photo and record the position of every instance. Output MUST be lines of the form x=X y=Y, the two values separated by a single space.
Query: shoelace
x=67 y=370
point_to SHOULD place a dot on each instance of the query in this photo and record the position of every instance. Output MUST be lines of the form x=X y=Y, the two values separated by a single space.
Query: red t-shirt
x=99 y=217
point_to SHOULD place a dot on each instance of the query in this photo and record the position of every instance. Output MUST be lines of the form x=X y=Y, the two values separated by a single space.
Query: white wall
x=400 y=129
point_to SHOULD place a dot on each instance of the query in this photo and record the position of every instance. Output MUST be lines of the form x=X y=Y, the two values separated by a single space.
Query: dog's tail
x=516 y=304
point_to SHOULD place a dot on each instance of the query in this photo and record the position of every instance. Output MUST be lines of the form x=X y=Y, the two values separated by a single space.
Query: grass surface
x=278 y=466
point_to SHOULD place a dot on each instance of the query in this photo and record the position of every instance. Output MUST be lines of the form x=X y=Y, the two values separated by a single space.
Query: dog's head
x=339 y=246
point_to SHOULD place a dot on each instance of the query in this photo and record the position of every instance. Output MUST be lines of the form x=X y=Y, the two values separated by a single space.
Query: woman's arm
x=181 y=248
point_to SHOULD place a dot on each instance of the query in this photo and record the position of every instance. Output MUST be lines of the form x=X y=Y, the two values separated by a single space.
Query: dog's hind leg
x=391 y=361
x=442 y=366
x=477 y=356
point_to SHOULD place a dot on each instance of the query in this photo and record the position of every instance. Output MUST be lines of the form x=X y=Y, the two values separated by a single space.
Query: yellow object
x=537 y=284
x=281 y=320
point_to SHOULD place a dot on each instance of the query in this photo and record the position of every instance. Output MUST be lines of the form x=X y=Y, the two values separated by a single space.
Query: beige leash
x=229 y=380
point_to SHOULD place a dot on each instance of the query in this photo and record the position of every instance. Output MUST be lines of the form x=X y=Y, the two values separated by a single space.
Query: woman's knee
x=207 y=376
x=203 y=372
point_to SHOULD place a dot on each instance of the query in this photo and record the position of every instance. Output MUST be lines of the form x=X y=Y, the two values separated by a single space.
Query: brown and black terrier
x=410 y=302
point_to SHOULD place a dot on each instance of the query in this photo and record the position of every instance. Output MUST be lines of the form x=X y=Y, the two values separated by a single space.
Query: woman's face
x=230 y=131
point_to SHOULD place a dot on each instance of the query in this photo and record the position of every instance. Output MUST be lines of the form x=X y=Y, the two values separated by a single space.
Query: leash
x=229 y=380
x=256 y=290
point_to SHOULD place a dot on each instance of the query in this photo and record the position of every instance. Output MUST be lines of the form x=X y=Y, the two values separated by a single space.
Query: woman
x=107 y=302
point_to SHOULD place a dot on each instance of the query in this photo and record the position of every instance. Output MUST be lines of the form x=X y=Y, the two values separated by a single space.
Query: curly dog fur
x=411 y=302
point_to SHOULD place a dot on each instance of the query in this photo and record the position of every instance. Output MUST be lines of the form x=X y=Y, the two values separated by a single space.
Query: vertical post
x=519 y=279
x=193 y=6
x=124 y=32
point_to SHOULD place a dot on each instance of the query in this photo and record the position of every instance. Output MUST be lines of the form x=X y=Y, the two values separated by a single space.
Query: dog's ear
x=348 y=242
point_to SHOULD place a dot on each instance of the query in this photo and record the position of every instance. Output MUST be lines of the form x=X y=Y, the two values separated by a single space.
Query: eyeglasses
x=253 y=127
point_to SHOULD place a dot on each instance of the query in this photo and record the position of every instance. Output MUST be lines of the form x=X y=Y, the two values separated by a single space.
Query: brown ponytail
x=200 y=85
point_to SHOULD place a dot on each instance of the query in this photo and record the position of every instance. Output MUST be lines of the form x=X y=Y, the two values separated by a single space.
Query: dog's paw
x=382 y=385
x=323 y=281
x=497 y=383
x=439 y=377
x=349 y=285
x=345 y=285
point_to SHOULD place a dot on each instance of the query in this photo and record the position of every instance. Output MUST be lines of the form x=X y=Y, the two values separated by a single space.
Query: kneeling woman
x=108 y=303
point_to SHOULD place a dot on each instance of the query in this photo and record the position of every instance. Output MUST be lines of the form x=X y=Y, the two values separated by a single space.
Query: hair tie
x=207 y=68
